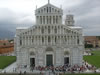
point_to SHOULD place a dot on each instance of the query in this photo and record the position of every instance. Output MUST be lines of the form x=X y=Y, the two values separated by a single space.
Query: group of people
x=65 y=68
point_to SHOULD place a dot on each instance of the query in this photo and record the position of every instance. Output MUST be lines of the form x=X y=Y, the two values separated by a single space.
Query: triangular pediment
x=48 y=5
x=48 y=8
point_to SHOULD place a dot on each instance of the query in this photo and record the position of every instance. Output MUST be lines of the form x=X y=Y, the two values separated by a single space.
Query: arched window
x=55 y=30
x=20 y=42
x=40 y=19
x=43 y=19
x=32 y=40
x=47 y=9
x=48 y=29
x=53 y=9
x=56 y=19
x=55 y=39
x=44 y=9
x=42 y=40
x=77 y=39
x=53 y=19
x=41 y=10
x=47 y=19
x=49 y=39
x=42 y=30
x=65 y=39
x=50 y=19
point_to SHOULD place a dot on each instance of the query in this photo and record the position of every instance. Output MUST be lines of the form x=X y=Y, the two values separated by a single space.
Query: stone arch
x=66 y=53
x=67 y=56
x=32 y=51
x=49 y=49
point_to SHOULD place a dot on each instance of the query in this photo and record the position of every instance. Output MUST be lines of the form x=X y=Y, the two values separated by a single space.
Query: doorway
x=49 y=60
x=66 y=60
x=32 y=62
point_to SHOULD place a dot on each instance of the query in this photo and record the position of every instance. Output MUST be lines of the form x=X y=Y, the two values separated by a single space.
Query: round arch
x=49 y=49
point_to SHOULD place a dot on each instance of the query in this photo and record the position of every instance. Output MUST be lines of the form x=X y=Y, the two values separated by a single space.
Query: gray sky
x=18 y=13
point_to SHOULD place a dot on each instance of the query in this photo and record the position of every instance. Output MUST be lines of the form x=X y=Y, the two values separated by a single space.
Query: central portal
x=66 y=60
x=32 y=62
x=49 y=60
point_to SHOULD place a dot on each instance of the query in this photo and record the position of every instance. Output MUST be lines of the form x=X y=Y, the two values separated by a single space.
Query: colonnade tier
x=51 y=19
x=49 y=40
x=50 y=29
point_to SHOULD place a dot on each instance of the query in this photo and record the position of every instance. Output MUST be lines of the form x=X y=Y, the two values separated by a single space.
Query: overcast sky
x=18 y=13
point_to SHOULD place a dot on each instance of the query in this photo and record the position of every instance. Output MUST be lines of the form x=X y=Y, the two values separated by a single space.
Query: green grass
x=83 y=74
x=93 y=59
x=6 y=60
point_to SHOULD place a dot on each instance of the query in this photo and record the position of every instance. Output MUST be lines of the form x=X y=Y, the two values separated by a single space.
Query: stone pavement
x=11 y=68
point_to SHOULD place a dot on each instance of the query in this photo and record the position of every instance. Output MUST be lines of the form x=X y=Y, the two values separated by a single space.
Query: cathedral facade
x=49 y=41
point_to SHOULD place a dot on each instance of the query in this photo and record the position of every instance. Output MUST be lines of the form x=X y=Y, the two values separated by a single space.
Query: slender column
x=37 y=40
x=67 y=40
x=50 y=40
x=45 y=20
x=25 y=40
x=34 y=40
x=38 y=20
x=57 y=40
x=63 y=30
x=22 y=40
x=57 y=29
x=42 y=19
x=55 y=19
x=54 y=40
x=51 y=19
x=70 y=40
x=46 y=40
x=74 y=39
x=28 y=40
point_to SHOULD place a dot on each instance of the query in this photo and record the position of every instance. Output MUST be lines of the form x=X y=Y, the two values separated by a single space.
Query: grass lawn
x=83 y=74
x=93 y=59
x=6 y=60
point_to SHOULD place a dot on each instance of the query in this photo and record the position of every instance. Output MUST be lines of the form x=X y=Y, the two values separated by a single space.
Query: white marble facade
x=49 y=41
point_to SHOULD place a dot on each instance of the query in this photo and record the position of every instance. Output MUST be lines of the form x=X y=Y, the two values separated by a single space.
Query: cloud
x=10 y=20
x=16 y=13
x=87 y=16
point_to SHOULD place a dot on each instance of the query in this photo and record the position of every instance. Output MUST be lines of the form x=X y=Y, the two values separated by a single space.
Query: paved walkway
x=10 y=68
